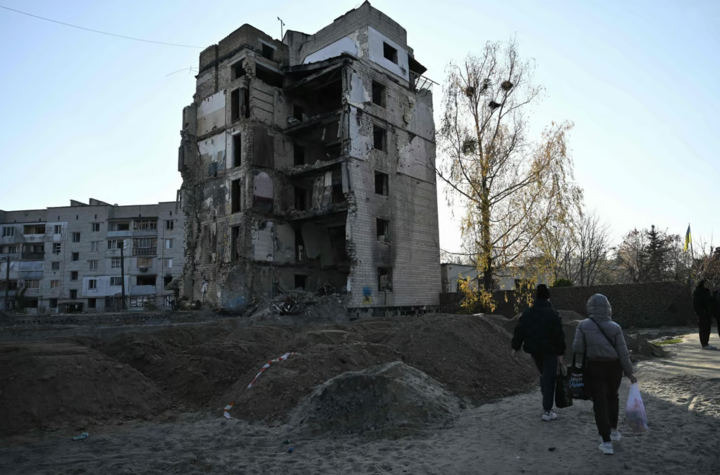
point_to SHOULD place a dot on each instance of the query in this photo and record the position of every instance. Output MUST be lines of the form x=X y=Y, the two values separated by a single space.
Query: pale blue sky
x=87 y=115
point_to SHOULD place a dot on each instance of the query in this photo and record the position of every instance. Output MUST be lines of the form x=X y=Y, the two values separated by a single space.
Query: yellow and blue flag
x=688 y=238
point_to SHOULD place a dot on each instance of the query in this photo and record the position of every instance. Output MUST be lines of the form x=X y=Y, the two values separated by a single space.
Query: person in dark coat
x=539 y=332
x=703 y=307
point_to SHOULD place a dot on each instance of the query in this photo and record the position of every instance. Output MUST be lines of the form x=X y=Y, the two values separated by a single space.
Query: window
x=75 y=256
x=95 y=227
x=122 y=226
x=298 y=112
x=58 y=229
x=57 y=248
x=383 y=230
x=92 y=284
x=268 y=76
x=115 y=280
x=115 y=263
x=92 y=303
x=300 y=199
x=144 y=247
x=238 y=70
x=338 y=196
x=168 y=263
x=8 y=250
x=235 y=196
x=169 y=224
x=33 y=229
x=382 y=183
x=235 y=237
x=379 y=137
x=53 y=303
x=384 y=279
x=94 y=246
x=55 y=266
x=267 y=51
x=146 y=279
x=115 y=243
x=299 y=246
x=8 y=231
x=300 y=281
x=390 y=53
x=32 y=284
x=299 y=155
x=168 y=244
x=75 y=237
x=237 y=150
x=73 y=293
x=378 y=94
x=146 y=224
x=235 y=105
x=54 y=284
x=140 y=301
x=74 y=275
x=144 y=261
x=11 y=285
x=93 y=265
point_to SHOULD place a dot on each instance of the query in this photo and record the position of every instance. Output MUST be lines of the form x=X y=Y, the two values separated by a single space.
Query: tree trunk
x=486 y=242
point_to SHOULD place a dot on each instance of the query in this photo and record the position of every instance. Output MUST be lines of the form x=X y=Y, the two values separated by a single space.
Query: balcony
x=32 y=256
x=144 y=251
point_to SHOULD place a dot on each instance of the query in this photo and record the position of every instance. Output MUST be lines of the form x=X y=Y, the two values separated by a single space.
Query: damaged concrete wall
x=211 y=113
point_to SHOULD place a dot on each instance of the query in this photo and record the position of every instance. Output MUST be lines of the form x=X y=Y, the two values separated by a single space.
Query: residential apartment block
x=69 y=259
x=310 y=161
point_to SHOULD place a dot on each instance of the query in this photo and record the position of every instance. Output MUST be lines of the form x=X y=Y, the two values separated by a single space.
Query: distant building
x=67 y=259
x=309 y=163
x=451 y=273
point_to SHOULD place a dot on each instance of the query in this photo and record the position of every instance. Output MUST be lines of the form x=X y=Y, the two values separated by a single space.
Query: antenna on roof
x=282 y=23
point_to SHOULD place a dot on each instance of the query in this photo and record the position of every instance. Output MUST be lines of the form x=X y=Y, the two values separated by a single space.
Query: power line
x=98 y=31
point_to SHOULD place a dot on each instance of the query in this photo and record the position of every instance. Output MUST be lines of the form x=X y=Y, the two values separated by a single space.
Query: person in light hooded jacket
x=607 y=359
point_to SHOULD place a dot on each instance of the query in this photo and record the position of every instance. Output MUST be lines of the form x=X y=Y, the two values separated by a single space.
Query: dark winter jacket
x=601 y=338
x=702 y=302
x=716 y=306
x=539 y=330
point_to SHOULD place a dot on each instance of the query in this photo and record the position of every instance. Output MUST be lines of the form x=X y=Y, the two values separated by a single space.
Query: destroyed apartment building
x=309 y=163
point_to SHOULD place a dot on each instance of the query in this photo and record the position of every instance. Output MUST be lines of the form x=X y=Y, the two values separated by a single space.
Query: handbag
x=563 y=395
x=576 y=377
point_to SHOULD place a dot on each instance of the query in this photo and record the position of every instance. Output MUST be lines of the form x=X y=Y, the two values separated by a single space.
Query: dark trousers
x=603 y=379
x=547 y=365
x=704 y=327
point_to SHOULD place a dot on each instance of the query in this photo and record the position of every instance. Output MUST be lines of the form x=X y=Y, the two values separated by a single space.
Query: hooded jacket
x=588 y=335
x=702 y=301
x=539 y=330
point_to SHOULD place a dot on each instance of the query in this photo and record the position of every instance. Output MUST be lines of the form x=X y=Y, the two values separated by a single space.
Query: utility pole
x=122 y=274
x=282 y=23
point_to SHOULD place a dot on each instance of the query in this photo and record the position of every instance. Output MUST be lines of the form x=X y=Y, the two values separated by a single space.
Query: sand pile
x=390 y=400
x=62 y=385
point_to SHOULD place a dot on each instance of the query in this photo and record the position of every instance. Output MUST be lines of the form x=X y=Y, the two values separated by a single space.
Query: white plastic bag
x=635 y=410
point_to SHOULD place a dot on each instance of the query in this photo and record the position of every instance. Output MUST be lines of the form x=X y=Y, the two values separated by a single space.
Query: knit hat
x=543 y=293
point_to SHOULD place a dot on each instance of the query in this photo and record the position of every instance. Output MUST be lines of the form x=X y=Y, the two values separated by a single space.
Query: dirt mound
x=389 y=400
x=570 y=316
x=62 y=385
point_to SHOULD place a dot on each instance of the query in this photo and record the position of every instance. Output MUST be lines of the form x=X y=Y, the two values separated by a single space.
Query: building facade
x=309 y=163
x=69 y=259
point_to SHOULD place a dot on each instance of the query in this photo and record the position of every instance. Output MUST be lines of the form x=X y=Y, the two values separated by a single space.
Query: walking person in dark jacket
x=703 y=307
x=603 y=343
x=539 y=331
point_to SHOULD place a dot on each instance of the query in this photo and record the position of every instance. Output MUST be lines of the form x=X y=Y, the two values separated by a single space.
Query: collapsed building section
x=309 y=163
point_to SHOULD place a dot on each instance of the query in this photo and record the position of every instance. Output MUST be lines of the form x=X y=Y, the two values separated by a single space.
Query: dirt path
x=505 y=437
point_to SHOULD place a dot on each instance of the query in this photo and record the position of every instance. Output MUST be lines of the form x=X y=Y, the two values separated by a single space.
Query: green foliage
x=563 y=283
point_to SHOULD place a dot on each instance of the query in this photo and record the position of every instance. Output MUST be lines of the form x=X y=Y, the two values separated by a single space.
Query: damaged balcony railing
x=419 y=82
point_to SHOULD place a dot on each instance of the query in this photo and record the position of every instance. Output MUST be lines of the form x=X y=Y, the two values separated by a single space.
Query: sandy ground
x=506 y=437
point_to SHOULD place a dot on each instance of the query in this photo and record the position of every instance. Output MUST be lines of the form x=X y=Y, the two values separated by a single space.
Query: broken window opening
x=73 y=293
x=299 y=155
x=238 y=69
x=167 y=279
x=384 y=279
x=56 y=248
x=379 y=138
x=337 y=194
x=146 y=279
x=382 y=183
x=31 y=229
x=378 y=94
x=267 y=51
x=236 y=193
x=245 y=109
x=298 y=112
x=268 y=76
x=390 y=53
x=383 y=230
x=92 y=303
x=299 y=246
x=237 y=150
x=235 y=237
x=53 y=303
x=125 y=226
x=300 y=199
x=235 y=105
x=300 y=281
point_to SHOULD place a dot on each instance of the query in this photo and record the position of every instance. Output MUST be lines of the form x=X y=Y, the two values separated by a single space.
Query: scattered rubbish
x=82 y=436
x=227 y=408
x=291 y=450
x=267 y=365
x=286 y=441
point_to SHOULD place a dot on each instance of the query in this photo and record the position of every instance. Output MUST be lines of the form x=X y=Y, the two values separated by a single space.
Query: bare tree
x=631 y=256
x=512 y=188
x=592 y=244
